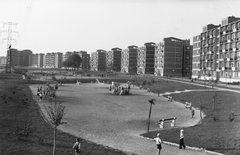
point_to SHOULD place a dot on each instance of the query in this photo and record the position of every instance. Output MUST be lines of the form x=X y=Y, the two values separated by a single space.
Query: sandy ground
x=94 y=114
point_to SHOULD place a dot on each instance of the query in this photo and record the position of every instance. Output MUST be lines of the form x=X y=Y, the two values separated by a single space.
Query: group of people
x=46 y=91
x=115 y=88
x=159 y=142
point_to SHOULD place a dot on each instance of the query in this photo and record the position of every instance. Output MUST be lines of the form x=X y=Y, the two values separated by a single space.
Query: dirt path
x=117 y=121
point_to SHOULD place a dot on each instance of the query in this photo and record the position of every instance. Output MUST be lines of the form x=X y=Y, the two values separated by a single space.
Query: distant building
x=141 y=63
x=98 y=60
x=159 y=59
x=176 y=57
x=85 y=60
x=3 y=61
x=218 y=51
x=116 y=59
x=109 y=61
x=150 y=54
x=133 y=59
x=53 y=60
x=125 y=61
x=37 y=60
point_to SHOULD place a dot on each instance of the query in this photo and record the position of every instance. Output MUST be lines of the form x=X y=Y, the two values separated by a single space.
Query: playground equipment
x=117 y=89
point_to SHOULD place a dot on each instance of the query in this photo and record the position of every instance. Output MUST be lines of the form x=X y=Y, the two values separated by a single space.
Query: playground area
x=117 y=121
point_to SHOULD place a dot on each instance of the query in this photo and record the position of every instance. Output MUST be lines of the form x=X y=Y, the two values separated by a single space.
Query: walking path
x=117 y=121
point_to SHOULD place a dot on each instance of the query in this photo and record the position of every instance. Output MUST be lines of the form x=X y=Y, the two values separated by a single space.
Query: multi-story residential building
x=196 y=72
x=159 y=61
x=175 y=57
x=94 y=61
x=133 y=59
x=116 y=59
x=141 y=60
x=37 y=60
x=125 y=61
x=98 y=60
x=24 y=58
x=3 y=61
x=66 y=55
x=150 y=54
x=85 y=60
x=219 y=51
x=109 y=61
x=53 y=60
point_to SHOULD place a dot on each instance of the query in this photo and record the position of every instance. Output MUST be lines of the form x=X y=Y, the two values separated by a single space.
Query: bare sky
x=74 y=25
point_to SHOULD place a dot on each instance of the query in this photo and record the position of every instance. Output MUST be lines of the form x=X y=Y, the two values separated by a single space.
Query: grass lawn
x=221 y=135
x=17 y=108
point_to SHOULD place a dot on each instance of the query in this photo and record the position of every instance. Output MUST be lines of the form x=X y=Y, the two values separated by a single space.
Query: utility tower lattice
x=9 y=43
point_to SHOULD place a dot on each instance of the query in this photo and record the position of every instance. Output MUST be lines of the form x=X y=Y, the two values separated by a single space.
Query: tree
x=55 y=113
x=73 y=61
x=150 y=111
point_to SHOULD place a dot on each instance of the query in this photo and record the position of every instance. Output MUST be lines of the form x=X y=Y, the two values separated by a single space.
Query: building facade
x=125 y=61
x=53 y=60
x=175 y=57
x=150 y=56
x=133 y=59
x=109 y=61
x=37 y=60
x=3 y=61
x=98 y=60
x=219 y=51
x=159 y=60
x=117 y=54
x=141 y=63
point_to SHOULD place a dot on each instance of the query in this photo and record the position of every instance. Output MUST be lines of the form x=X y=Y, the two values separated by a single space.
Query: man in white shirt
x=159 y=143
x=181 y=142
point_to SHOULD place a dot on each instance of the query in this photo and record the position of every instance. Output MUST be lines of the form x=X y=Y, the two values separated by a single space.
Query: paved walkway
x=117 y=121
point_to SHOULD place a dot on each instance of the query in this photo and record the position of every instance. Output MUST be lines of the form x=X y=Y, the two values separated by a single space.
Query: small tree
x=55 y=113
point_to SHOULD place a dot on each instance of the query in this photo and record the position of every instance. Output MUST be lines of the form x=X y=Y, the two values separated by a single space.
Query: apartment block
x=53 y=60
x=125 y=61
x=218 y=52
x=150 y=56
x=116 y=59
x=159 y=59
x=37 y=60
x=196 y=72
x=85 y=60
x=109 y=61
x=133 y=59
x=141 y=60
x=174 y=57
x=3 y=61
x=98 y=60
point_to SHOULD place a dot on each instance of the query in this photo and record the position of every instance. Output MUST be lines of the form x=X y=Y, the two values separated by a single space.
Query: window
x=227 y=27
x=233 y=45
x=233 y=36
x=228 y=37
x=238 y=24
x=233 y=26
x=223 y=38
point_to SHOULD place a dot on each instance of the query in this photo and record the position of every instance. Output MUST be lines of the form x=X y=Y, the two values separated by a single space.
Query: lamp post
x=150 y=111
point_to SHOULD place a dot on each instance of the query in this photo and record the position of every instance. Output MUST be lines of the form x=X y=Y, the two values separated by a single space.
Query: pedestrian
x=181 y=142
x=193 y=112
x=77 y=147
x=159 y=143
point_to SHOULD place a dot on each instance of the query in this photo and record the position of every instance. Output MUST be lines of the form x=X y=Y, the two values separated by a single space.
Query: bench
x=168 y=120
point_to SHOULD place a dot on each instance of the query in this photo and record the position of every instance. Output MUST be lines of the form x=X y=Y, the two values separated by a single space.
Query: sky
x=45 y=26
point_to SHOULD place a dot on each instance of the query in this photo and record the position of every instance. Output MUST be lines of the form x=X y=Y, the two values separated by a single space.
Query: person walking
x=181 y=142
x=77 y=147
x=159 y=143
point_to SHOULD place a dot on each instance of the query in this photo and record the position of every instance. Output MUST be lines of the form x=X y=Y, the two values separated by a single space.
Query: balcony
x=220 y=59
x=224 y=32
x=233 y=68
x=223 y=50
x=234 y=30
x=223 y=68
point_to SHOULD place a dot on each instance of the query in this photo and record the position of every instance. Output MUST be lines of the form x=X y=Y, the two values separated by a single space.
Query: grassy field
x=217 y=134
x=17 y=109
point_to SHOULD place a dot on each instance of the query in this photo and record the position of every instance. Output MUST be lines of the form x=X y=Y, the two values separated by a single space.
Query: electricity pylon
x=9 y=43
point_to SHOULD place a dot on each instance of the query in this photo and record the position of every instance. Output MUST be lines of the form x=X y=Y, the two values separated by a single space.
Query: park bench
x=167 y=120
